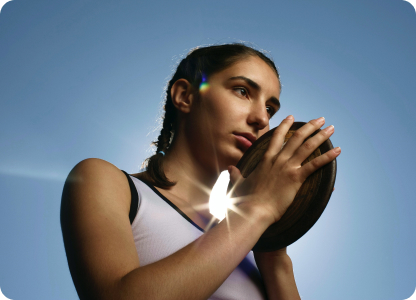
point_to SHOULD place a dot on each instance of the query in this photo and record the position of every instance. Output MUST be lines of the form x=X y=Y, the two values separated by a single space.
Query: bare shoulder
x=95 y=182
x=96 y=228
x=94 y=166
x=94 y=170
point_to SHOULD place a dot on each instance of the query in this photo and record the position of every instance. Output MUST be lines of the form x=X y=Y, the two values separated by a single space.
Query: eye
x=271 y=111
x=242 y=91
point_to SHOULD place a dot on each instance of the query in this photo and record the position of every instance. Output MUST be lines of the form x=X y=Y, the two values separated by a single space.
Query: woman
x=142 y=236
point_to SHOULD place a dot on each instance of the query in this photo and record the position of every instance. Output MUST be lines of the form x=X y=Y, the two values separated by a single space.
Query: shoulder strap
x=134 y=198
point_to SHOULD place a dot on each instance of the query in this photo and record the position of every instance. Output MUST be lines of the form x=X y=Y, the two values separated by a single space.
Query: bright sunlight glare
x=218 y=200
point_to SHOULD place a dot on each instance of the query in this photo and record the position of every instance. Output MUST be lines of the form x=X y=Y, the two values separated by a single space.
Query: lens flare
x=203 y=87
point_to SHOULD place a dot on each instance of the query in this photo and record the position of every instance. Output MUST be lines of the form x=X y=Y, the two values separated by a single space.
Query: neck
x=194 y=181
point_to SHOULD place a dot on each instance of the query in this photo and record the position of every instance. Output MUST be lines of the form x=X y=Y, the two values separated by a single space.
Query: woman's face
x=233 y=110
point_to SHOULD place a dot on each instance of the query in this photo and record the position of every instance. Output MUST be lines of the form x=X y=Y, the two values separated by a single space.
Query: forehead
x=255 y=69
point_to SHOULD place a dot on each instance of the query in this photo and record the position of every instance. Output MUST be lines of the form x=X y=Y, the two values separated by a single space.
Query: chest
x=161 y=229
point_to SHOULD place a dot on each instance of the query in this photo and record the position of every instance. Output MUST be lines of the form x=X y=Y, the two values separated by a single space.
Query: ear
x=182 y=94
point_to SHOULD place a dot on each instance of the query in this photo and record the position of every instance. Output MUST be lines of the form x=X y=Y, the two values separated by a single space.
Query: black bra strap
x=134 y=198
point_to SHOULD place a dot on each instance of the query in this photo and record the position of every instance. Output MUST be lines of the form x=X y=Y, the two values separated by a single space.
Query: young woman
x=146 y=236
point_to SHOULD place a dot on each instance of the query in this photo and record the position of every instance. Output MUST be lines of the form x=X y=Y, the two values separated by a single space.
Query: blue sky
x=83 y=79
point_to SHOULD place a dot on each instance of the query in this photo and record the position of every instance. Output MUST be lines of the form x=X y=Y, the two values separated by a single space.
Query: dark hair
x=198 y=65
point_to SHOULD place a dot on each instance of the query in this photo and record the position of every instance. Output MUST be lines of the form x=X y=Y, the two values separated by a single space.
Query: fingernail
x=321 y=119
x=329 y=128
x=290 y=117
x=337 y=150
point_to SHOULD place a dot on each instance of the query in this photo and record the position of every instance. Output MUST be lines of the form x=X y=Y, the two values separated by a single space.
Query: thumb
x=235 y=175
x=235 y=179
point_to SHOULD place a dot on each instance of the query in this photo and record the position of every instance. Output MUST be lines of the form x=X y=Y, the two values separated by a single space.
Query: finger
x=301 y=134
x=278 y=137
x=318 y=162
x=308 y=147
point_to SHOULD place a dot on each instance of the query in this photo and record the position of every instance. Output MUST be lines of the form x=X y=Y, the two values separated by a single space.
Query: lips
x=245 y=139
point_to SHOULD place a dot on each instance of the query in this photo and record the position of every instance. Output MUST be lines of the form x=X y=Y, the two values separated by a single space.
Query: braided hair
x=198 y=65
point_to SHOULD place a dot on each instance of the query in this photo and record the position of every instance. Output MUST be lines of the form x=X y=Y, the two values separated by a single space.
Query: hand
x=272 y=186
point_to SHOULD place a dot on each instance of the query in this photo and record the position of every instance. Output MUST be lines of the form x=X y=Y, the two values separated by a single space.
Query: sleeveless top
x=160 y=229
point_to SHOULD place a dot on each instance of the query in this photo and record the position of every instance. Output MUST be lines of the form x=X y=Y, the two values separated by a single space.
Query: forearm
x=278 y=276
x=196 y=271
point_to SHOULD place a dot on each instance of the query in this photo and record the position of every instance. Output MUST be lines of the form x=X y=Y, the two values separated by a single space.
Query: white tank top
x=160 y=229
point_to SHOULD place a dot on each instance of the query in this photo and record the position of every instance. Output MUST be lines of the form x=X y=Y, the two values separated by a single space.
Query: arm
x=276 y=267
x=102 y=256
x=277 y=272
x=99 y=244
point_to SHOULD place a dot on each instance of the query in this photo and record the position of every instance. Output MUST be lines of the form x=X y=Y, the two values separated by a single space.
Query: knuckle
x=315 y=163
x=330 y=155
x=298 y=134
x=313 y=122
x=308 y=145
x=324 y=133
x=293 y=176
x=267 y=155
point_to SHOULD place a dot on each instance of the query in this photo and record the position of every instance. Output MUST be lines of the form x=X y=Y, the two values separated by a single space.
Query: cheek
x=221 y=109
x=211 y=102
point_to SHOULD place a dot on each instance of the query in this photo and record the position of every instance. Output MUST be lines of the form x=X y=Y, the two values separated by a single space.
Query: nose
x=258 y=116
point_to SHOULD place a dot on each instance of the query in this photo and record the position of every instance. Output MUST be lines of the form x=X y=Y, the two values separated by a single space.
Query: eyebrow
x=257 y=87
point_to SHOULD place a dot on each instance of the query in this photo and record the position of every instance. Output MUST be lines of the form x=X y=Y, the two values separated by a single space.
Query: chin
x=231 y=157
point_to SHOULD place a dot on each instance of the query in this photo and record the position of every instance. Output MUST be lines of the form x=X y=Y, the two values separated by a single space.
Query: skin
x=96 y=199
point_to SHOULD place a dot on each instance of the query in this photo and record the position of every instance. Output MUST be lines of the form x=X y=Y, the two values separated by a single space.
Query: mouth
x=245 y=139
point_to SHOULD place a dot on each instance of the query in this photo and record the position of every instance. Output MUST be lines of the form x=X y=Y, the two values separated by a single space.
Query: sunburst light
x=218 y=200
